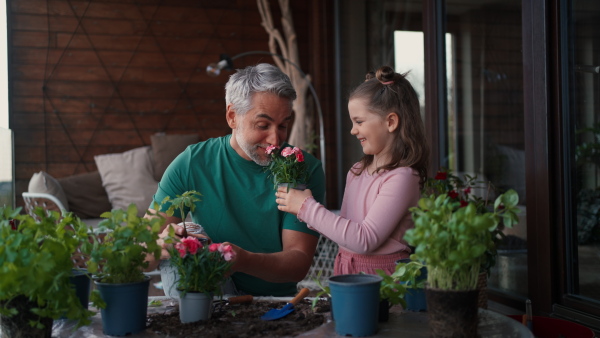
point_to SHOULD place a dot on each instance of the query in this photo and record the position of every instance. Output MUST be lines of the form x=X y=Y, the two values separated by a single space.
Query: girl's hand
x=291 y=201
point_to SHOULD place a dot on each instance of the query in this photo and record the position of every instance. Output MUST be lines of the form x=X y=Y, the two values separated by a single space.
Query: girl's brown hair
x=385 y=92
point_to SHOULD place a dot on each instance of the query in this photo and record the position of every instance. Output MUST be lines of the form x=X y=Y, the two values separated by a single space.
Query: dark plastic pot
x=126 y=307
x=415 y=298
x=82 y=284
x=384 y=310
x=452 y=313
x=18 y=325
x=355 y=301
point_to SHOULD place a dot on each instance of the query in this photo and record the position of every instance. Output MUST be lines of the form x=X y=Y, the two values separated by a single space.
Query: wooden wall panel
x=102 y=76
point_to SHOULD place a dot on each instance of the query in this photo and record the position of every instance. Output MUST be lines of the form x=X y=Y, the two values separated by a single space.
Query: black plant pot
x=452 y=313
x=18 y=325
x=384 y=310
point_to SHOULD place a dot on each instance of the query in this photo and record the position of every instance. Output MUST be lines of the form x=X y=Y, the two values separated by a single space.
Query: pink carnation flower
x=227 y=252
x=181 y=249
x=287 y=151
x=271 y=148
x=214 y=247
x=300 y=156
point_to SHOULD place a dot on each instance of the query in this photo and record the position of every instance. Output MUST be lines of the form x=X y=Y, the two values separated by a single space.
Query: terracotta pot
x=452 y=313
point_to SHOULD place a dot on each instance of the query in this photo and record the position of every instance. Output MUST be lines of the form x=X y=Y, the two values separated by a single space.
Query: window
x=6 y=150
x=583 y=159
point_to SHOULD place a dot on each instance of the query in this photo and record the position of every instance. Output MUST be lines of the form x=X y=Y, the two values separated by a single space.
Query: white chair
x=46 y=201
x=322 y=267
x=50 y=203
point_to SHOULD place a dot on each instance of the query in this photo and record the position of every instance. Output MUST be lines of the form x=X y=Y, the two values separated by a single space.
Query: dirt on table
x=243 y=320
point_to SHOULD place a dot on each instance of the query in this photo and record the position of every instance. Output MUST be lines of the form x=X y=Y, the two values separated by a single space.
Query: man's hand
x=289 y=265
x=179 y=232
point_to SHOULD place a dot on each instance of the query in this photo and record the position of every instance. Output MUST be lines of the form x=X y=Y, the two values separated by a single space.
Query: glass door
x=583 y=125
x=485 y=117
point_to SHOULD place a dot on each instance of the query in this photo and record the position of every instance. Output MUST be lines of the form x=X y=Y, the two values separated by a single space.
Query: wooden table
x=415 y=325
x=401 y=324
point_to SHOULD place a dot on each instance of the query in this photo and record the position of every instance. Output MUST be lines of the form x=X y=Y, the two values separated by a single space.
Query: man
x=274 y=250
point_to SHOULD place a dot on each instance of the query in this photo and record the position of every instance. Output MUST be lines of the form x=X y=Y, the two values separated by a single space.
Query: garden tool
x=287 y=309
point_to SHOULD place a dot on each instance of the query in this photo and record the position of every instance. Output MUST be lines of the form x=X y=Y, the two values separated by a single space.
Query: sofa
x=121 y=179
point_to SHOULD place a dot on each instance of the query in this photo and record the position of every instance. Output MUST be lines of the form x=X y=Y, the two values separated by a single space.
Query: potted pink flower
x=287 y=166
x=201 y=269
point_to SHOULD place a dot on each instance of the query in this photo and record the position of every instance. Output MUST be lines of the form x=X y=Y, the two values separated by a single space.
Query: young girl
x=380 y=188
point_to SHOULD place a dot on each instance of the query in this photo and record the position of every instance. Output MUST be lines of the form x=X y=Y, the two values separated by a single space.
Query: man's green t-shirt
x=238 y=203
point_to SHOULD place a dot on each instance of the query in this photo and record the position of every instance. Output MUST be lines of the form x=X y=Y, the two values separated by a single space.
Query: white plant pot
x=194 y=306
x=169 y=278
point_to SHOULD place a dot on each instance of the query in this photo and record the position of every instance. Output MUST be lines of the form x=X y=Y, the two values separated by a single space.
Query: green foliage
x=36 y=262
x=187 y=199
x=461 y=191
x=325 y=290
x=395 y=286
x=588 y=152
x=120 y=257
x=287 y=166
x=452 y=239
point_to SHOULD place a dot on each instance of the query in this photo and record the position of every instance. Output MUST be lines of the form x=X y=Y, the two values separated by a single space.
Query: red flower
x=453 y=194
x=299 y=156
x=188 y=244
x=214 y=247
x=463 y=204
x=467 y=190
x=13 y=224
x=441 y=175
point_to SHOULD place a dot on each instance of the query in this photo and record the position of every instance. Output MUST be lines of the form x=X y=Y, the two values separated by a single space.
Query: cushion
x=513 y=170
x=86 y=195
x=42 y=182
x=166 y=147
x=127 y=178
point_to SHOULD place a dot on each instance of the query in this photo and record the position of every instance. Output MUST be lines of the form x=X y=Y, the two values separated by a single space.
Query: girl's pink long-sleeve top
x=374 y=214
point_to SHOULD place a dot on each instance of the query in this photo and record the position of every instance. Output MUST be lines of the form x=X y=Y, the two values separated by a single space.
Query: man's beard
x=252 y=150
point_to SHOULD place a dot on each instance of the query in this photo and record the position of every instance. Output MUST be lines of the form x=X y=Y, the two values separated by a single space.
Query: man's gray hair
x=263 y=77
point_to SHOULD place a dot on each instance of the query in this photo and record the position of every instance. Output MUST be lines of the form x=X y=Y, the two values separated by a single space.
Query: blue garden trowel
x=287 y=309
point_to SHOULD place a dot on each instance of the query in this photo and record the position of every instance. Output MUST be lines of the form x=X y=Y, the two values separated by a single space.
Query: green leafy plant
x=395 y=286
x=201 y=268
x=187 y=199
x=36 y=263
x=325 y=290
x=587 y=155
x=461 y=190
x=287 y=166
x=451 y=238
x=119 y=256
